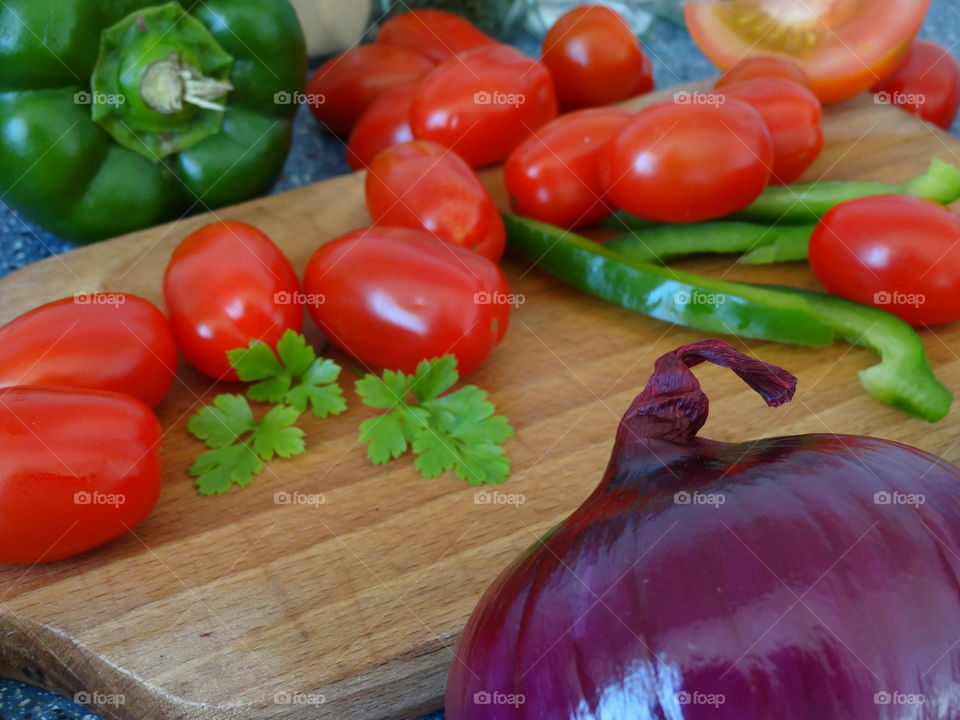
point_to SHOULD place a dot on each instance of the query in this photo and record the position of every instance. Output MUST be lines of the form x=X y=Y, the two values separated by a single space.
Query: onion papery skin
x=810 y=577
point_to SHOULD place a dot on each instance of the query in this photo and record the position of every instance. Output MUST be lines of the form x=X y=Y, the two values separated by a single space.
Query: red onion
x=813 y=577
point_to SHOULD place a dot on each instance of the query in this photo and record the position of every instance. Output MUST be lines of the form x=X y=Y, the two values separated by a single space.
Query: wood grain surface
x=240 y=607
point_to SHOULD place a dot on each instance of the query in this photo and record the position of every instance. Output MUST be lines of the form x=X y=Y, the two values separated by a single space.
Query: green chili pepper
x=119 y=115
x=903 y=378
x=763 y=243
x=690 y=300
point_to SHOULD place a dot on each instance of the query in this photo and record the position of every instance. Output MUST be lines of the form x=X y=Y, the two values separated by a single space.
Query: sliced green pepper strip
x=668 y=242
x=903 y=378
x=666 y=294
x=808 y=203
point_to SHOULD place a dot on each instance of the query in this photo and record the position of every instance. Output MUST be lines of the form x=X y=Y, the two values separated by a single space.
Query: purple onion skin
x=799 y=595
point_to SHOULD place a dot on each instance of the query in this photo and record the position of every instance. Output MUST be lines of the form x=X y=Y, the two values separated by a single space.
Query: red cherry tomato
x=842 y=45
x=483 y=102
x=688 y=162
x=396 y=296
x=385 y=123
x=101 y=341
x=554 y=175
x=645 y=83
x=426 y=186
x=897 y=252
x=345 y=86
x=926 y=83
x=594 y=57
x=78 y=468
x=762 y=66
x=225 y=285
x=792 y=115
x=437 y=34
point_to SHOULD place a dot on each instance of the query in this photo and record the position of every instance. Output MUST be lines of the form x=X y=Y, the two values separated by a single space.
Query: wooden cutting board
x=229 y=607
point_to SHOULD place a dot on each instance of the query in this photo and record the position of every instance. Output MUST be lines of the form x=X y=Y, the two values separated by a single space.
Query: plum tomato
x=897 y=252
x=426 y=186
x=792 y=115
x=926 y=83
x=346 y=85
x=696 y=158
x=595 y=58
x=554 y=175
x=843 y=46
x=88 y=470
x=762 y=66
x=385 y=123
x=396 y=296
x=437 y=34
x=101 y=341
x=225 y=285
x=483 y=102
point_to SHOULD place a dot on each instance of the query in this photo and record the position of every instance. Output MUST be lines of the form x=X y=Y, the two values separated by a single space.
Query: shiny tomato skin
x=483 y=103
x=346 y=85
x=897 y=252
x=396 y=296
x=843 y=46
x=425 y=186
x=101 y=341
x=554 y=175
x=384 y=124
x=792 y=115
x=225 y=285
x=762 y=66
x=926 y=83
x=594 y=57
x=688 y=162
x=435 y=33
x=87 y=472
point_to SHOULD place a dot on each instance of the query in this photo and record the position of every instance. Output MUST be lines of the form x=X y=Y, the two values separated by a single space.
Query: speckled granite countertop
x=318 y=155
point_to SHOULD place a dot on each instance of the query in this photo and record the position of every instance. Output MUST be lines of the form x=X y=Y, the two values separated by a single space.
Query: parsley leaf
x=223 y=423
x=458 y=431
x=277 y=435
x=218 y=469
x=293 y=376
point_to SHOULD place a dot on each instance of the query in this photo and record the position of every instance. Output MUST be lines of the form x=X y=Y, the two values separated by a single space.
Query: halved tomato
x=844 y=46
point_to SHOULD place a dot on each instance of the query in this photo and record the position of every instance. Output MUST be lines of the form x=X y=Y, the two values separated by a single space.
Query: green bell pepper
x=120 y=114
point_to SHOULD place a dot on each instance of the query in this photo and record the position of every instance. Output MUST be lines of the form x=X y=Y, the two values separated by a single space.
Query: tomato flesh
x=899 y=253
x=426 y=186
x=595 y=58
x=225 y=285
x=926 y=83
x=844 y=46
x=554 y=175
x=437 y=34
x=87 y=471
x=688 y=162
x=483 y=103
x=101 y=341
x=396 y=296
